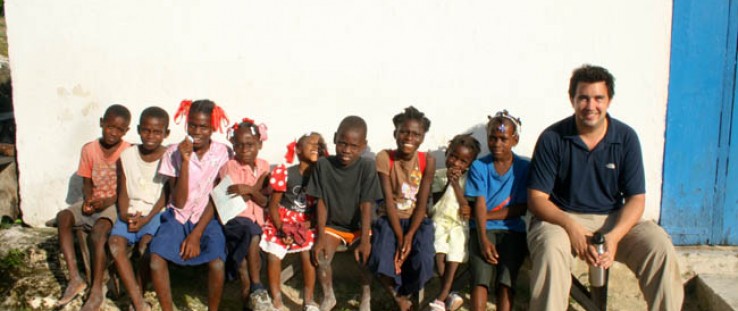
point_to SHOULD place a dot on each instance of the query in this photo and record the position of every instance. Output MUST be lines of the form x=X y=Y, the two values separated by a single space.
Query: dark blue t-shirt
x=584 y=181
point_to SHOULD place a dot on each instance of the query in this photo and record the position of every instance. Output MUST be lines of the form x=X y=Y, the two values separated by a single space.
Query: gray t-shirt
x=343 y=189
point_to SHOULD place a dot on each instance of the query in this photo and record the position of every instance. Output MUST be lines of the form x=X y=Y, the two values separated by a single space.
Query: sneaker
x=454 y=301
x=260 y=301
x=437 y=305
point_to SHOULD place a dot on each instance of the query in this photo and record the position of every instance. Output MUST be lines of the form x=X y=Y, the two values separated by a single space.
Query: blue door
x=700 y=183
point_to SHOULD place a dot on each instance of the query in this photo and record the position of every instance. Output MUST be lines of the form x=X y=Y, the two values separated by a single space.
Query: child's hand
x=190 y=248
x=407 y=246
x=185 y=148
x=489 y=252
x=239 y=189
x=465 y=212
x=318 y=252
x=453 y=174
x=88 y=208
x=135 y=222
x=361 y=253
x=287 y=240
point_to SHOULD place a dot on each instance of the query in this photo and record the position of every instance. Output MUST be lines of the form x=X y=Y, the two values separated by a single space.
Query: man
x=587 y=176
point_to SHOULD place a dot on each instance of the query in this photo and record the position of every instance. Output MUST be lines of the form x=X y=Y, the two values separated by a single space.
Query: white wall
x=303 y=65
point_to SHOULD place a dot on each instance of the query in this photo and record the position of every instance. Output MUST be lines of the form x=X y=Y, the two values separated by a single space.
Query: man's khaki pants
x=647 y=250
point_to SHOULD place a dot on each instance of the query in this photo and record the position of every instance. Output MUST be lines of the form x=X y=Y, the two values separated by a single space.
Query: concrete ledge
x=717 y=292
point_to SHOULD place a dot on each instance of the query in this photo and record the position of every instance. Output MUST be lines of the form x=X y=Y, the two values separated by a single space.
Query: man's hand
x=361 y=253
x=606 y=259
x=580 y=239
x=185 y=149
x=489 y=251
x=190 y=248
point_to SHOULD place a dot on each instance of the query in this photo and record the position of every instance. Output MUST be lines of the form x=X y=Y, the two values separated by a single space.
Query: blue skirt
x=239 y=232
x=172 y=233
x=417 y=268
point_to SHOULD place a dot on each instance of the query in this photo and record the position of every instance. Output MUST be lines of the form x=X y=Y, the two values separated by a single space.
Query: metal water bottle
x=597 y=274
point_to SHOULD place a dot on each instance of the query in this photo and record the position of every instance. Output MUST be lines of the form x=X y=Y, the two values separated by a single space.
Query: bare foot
x=328 y=303
x=75 y=287
x=94 y=302
x=404 y=303
x=366 y=300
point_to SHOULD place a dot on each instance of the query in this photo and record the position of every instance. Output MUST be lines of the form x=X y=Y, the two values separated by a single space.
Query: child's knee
x=157 y=264
x=64 y=218
x=216 y=265
x=117 y=245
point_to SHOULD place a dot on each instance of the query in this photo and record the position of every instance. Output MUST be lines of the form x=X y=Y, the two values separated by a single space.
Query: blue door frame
x=700 y=184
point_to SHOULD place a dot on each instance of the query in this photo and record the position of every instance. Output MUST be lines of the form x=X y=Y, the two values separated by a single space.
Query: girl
x=498 y=183
x=188 y=234
x=450 y=217
x=402 y=238
x=242 y=233
x=288 y=227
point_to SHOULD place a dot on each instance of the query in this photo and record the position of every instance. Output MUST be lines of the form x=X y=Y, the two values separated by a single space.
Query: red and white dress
x=296 y=210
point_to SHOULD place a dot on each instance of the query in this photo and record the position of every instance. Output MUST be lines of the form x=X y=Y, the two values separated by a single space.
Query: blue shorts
x=172 y=233
x=120 y=229
x=417 y=268
x=239 y=232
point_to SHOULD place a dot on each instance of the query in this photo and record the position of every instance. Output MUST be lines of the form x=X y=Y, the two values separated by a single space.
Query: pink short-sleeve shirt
x=244 y=174
x=203 y=172
x=95 y=165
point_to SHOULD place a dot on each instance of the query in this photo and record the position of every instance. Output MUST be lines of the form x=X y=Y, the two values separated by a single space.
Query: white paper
x=227 y=205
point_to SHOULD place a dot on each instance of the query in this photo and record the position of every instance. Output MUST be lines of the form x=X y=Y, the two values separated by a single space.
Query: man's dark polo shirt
x=583 y=181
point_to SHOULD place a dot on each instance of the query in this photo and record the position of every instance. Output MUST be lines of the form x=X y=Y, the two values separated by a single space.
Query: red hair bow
x=290 y=155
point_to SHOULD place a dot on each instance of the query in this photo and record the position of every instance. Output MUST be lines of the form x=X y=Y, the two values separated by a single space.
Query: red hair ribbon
x=183 y=110
x=290 y=155
x=218 y=119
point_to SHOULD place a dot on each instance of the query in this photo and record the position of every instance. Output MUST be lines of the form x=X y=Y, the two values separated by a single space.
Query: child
x=498 y=183
x=402 y=237
x=140 y=200
x=288 y=226
x=243 y=232
x=188 y=234
x=451 y=214
x=98 y=169
x=346 y=187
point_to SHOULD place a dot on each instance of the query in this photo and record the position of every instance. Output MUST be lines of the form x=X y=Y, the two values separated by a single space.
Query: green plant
x=13 y=260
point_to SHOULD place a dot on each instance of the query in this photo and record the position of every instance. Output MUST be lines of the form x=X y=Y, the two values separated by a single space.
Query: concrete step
x=717 y=292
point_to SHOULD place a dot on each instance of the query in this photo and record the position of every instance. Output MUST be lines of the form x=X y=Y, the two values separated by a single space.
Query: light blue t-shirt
x=508 y=189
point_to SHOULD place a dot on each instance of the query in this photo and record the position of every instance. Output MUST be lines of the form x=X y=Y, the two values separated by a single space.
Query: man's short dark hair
x=155 y=112
x=354 y=123
x=591 y=74
x=117 y=111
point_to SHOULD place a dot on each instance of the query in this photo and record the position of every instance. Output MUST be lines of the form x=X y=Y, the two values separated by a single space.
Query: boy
x=97 y=167
x=346 y=185
x=140 y=200
x=497 y=240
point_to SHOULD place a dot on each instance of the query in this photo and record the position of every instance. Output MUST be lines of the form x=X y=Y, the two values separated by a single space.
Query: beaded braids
x=217 y=116
x=256 y=130
x=412 y=113
x=498 y=122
